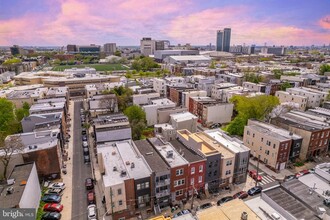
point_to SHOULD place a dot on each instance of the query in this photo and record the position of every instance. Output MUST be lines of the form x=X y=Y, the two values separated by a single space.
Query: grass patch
x=40 y=211
x=98 y=67
x=298 y=164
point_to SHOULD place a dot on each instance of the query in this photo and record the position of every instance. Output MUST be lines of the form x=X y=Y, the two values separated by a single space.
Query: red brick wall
x=174 y=177
x=196 y=175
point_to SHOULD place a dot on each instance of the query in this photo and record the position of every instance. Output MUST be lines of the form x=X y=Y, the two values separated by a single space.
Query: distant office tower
x=277 y=51
x=147 y=46
x=239 y=49
x=110 y=48
x=71 y=48
x=223 y=39
x=17 y=50
x=89 y=49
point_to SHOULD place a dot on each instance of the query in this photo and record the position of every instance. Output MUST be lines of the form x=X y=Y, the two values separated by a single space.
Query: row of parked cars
x=52 y=198
x=84 y=134
x=91 y=208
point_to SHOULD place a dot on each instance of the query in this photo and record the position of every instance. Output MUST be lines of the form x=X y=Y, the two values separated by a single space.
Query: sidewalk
x=67 y=178
x=278 y=176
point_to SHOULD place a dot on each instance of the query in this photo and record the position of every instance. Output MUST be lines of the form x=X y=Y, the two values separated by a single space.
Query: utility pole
x=257 y=170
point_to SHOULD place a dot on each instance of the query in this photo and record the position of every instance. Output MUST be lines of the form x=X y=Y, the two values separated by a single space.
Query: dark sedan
x=205 y=206
x=255 y=190
x=240 y=195
x=51 y=216
x=224 y=200
x=51 y=199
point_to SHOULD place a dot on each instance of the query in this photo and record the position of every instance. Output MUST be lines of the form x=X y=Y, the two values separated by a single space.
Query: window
x=215 y=173
x=268 y=143
x=229 y=162
x=260 y=148
x=138 y=186
x=200 y=179
x=200 y=168
x=262 y=139
x=179 y=182
x=179 y=192
x=267 y=152
x=248 y=132
x=179 y=172
x=119 y=191
x=120 y=202
x=192 y=181
x=142 y=185
x=122 y=218
x=192 y=170
x=228 y=172
x=253 y=135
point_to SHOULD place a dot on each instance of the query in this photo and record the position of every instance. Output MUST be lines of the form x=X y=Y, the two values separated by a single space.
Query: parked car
x=290 y=177
x=302 y=173
x=326 y=202
x=58 y=185
x=216 y=125
x=51 y=198
x=254 y=190
x=183 y=212
x=205 y=206
x=53 y=207
x=51 y=216
x=89 y=184
x=54 y=192
x=91 y=212
x=91 y=197
x=224 y=200
x=85 y=144
x=86 y=151
x=312 y=170
x=253 y=174
x=241 y=195
x=83 y=131
x=87 y=159
x=84 y=137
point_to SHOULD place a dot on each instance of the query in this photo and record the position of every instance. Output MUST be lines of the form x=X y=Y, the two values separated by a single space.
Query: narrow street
x=81 y=171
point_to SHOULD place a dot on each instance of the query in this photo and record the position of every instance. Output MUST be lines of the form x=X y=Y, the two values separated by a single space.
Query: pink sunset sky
x=62 y=22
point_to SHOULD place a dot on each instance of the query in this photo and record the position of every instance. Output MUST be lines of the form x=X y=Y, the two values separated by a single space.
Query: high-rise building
x=17 y=50
x=71 y=48
x=110 y=48
x=147 y=46
x=223 y=39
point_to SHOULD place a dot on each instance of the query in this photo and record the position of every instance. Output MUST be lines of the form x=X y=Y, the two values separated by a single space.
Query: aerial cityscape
x=160 y=110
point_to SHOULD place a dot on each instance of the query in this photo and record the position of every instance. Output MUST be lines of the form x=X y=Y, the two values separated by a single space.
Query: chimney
x=244 y=216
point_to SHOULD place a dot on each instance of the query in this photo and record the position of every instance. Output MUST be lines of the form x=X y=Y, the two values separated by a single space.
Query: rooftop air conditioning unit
x=132 y=165
x=114 y=168
x=10 y=190
x=169 y=153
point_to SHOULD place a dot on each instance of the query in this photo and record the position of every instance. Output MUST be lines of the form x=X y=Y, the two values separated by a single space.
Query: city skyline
x=62 y=22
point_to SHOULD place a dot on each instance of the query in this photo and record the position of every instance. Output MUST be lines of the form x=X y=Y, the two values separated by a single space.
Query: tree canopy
x=137 y=119
x=257 y=107
x=144 y=64
x=11 y=61
x=252 y=77
x=285 y=86
x=324 y=68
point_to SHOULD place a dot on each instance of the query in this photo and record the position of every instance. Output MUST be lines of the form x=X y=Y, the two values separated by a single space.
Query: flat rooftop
x=46 y=106
x=302 y=191
x=234 y=209
x=191 y=57
x=211 y=213
x=155 y=161
x=182 y=116
x=163 y=101
x=168 y=153
x=268 y=132
x=256 y=204
x=190 y=155
x=213 y=143
x=52 y=100
x=58 y=91
x=20 y=173
x=232 y=144
x=121 y=155
x=275 y=129
x=289 y=203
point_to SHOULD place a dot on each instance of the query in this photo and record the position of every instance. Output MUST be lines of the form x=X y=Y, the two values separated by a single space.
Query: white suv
x=91 y=212
x=57 y=186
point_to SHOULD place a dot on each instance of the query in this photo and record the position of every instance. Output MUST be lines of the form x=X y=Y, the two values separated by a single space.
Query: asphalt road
x=81 y=171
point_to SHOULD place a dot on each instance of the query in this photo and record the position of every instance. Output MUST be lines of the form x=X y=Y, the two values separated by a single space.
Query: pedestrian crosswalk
x=266 y=180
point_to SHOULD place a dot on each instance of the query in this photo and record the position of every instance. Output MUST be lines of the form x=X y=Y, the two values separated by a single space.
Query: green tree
x=257 y=107
x=252 y=77
x=137 y=119
x=7 y=116
x=124 y=96
x=22 y=112
x=285 y=86
x=144 y=64
x=11 y=61
x=212 y=65
x=117 y=53
x=324 y=68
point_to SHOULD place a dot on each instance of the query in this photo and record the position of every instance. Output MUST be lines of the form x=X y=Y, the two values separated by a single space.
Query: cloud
x=200 y=28
x=325 y=22
x=126 y=22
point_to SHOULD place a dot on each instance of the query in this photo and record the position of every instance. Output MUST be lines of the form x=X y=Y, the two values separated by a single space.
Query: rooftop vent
x=114 y=169
x=132 y=165
x=123 y=173
x=244 y=216
x=169 y=153
x=10 y=190
x=128 y=163
x=113 y=153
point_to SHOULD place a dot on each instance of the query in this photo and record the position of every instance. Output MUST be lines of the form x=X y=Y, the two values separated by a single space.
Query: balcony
x=163 y=183
x=163 y=193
